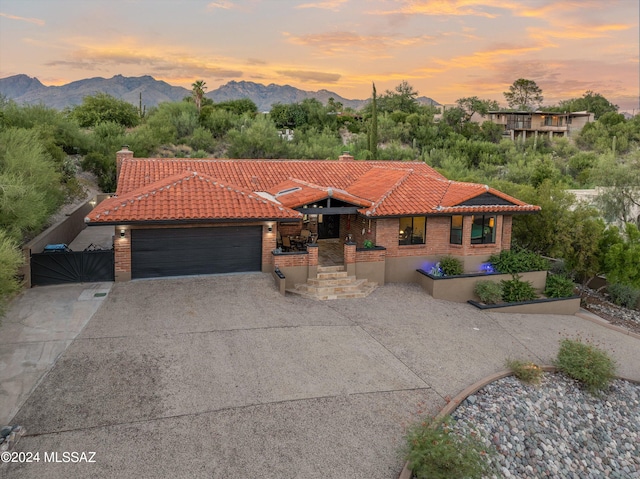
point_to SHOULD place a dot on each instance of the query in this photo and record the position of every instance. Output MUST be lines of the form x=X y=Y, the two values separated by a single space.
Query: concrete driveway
x=222 y=377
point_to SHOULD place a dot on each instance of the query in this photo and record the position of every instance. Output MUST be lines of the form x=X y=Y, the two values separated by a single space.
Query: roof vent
x=287 y=191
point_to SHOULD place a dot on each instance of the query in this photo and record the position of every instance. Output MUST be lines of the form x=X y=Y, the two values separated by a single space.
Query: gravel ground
x=598 y=303
x=557 y=429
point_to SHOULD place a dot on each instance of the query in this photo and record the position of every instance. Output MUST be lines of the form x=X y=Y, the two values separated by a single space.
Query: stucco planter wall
x=460 y=288
x=537 y=306
x=293 y=265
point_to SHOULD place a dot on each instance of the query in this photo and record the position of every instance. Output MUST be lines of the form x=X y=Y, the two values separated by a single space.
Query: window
x=483 y=229
x=455 y=237
x=412 y=230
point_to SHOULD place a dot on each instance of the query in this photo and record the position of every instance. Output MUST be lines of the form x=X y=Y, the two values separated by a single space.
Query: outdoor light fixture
x=122 y=233
x=270 y=228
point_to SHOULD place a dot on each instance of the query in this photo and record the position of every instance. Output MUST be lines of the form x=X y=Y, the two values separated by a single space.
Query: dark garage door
x=188 y=251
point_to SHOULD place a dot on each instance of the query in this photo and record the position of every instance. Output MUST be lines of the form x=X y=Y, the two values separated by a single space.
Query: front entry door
x=330 y=227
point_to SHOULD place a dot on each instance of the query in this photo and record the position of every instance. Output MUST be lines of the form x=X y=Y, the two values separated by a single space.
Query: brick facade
x=370 y=255
x=289 y=260
x=438 y=238
x=122 y=254
x=122 y=245
x=355 y=225
x=384 y=232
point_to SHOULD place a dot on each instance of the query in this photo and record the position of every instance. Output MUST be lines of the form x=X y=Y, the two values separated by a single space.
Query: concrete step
x=363 y=289
x=330 y=269
x=345 y=288
x=332 y=275
x=331 y=282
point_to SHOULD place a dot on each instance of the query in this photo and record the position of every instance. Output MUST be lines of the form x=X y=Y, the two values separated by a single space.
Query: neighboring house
x=528 y=124
x=202 y=216
x=590 y=197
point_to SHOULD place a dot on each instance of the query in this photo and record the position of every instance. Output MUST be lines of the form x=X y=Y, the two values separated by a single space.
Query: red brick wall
x=290 y=230
x=370 y=255
x=349 y=253
x=354 y=224
x=291 y=259
x=438 y=236
x=507 y=225
x=122 y=255
x=122 y=246
x=313 y=255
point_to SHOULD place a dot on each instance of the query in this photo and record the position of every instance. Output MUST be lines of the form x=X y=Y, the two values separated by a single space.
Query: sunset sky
x=446 y=49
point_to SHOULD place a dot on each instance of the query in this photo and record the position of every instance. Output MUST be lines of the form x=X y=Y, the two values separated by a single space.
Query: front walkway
x=40 y=325
x=330 y=252
x=221 y=376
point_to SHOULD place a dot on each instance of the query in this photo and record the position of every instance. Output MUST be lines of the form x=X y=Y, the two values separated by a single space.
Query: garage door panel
x=189 y=251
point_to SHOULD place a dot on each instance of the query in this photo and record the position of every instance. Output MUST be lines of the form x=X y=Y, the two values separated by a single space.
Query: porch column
x=350 y=258
x=122 y=254
x=312 y=257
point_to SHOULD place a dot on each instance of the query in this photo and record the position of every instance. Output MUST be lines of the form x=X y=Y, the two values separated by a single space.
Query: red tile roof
x=154 y=189
x=295 y=193
x=258 y=175
x=188 y=196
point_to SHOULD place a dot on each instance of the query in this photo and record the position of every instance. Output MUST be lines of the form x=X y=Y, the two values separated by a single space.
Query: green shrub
x=624 y=295
x=558 y=286
x=527 y=372
x=451 y=266
x=586 y=363
x=515 y=290
x=518 y=260
x=10 y=260
x=489 y=292
x=368 y=244
x=434 y=451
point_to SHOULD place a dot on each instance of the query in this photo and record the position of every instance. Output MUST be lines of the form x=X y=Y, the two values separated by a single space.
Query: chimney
x=122 y=155
x=345 y=156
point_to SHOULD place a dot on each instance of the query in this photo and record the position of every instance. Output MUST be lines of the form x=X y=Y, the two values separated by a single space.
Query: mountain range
x=27 y=90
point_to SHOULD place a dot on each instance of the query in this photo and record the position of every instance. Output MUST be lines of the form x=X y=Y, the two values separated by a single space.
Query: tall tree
x=373 y=135
x=102 y=107
x=199 y=87
x=620 y=192
x=473 y=104
x=403 y=98
x=592 y=102
x=524 y=95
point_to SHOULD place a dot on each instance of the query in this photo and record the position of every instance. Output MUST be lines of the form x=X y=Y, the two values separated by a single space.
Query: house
x=530 y=124
x=589 y=197
x=203 y=216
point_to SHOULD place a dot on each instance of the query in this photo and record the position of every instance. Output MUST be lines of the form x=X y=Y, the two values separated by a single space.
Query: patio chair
x=286 y=244
x=306 y=235
x=278 y=239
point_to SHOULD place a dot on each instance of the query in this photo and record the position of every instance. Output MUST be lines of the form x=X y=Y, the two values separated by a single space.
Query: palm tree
x=198 y=92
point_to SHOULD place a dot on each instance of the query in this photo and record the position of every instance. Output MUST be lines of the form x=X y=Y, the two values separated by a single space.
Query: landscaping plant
x=514 y=290
x=558 y=286
x=518 y=260
x=451 y=266
x=624 y=295
x=435 y=451
x=489 y=292
x=586 y=363
x=527 y=372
